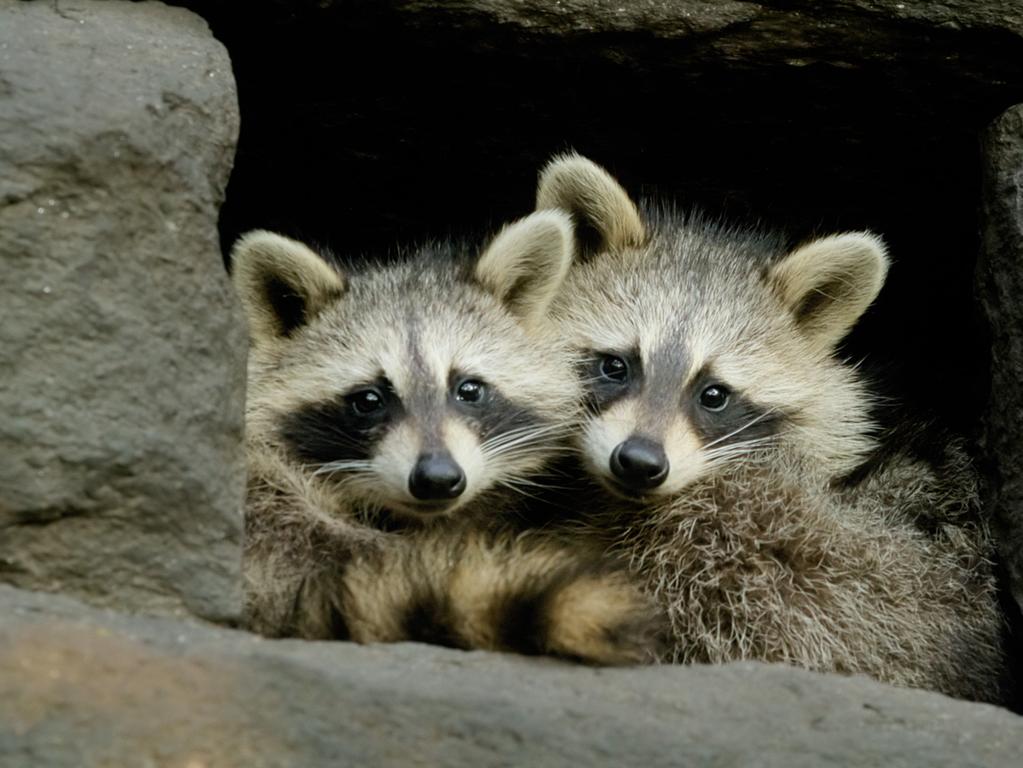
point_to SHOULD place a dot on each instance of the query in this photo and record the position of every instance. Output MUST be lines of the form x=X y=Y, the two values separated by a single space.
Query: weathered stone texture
x=121 y=351
x=793 y=24
x=1000 y=280
x=676 y=18
x=81 y=687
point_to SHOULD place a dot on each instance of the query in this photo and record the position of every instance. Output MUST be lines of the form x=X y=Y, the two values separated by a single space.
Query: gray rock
x=83 y=687
x=1000 y=288
x=121 y=349
x=965 y=52
x=959 y=51
x=674 y=18
x=769 y=19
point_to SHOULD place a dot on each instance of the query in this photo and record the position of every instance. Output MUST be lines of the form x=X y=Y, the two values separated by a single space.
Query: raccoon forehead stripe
x=427 y=403
x=413 y=344
x=667 y=368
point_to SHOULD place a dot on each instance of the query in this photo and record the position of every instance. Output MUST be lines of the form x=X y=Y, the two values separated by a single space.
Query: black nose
x=639 y=463
x=436 y=476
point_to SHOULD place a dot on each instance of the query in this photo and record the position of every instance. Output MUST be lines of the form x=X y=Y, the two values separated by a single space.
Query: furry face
x=706 y=344
x=415 y=388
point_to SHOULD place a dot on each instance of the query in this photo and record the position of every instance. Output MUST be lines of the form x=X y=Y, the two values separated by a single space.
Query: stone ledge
x=81 y=686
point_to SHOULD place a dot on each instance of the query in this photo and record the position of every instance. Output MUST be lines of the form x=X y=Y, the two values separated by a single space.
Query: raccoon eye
x=714 y=397
x=366 y=402
x=470 y=391
x=614 y=368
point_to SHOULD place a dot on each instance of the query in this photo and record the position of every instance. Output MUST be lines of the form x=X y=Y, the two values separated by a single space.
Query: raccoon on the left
x=395 y=416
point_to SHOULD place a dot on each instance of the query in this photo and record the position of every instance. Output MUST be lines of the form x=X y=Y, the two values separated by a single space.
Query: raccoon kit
x=393 y=413
x=736 y=461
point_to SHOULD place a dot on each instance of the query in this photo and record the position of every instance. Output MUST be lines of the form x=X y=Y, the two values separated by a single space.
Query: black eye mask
x=721 y=416
x=609 y=377
x=484 y=405
x=344 y=428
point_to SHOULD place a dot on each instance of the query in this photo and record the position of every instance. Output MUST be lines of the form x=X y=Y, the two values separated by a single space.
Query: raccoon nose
x=639 y=463
x=436 y=476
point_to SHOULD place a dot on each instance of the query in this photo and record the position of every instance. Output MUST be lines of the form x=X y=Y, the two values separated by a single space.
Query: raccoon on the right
x=738 y=463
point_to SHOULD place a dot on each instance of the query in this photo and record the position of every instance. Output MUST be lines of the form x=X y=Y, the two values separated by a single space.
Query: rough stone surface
x=121 y=351
x=678 y=18
x=798 y=33
x=83 y=687
x=782 y=25
x=1000 y=282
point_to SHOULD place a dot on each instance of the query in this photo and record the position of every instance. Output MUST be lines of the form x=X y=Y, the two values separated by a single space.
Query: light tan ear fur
x=526 y=262
x=829 y=283
x=596 y=201
x=281 y=282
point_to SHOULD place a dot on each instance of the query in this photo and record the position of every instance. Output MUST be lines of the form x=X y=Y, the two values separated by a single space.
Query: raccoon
x=736 y=460
x=394 y=413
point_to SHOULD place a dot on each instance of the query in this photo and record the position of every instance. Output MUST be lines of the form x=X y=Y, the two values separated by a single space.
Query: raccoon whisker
x=557 y=471
x=524 y=446
x=746 y=450
x=509 y=435
x=729 y=452
x=371 y=511
x=523 y=441
x=764 y=439
x=333 y=467
x=723 y=459
x=520 y=486
x=513 y=462
x=529 y=429
x=744 y=427
x=517 y=438
x=340 y=463
x=746 y=447
x=520 y=491
x=361 y=487
x=525 y=481
x=337 y=433
x=528 y=448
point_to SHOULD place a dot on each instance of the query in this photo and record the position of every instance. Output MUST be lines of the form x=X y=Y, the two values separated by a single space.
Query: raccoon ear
x=282 y=283
x=602 y=212
x=526 y=262
x=829 y=283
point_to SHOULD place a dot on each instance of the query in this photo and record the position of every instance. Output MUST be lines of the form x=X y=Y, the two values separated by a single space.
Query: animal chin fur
x=357 y=379
x=780 y=537
x=754 y=564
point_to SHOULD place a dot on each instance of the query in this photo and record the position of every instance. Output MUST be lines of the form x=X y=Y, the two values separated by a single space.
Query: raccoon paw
x=603 y=619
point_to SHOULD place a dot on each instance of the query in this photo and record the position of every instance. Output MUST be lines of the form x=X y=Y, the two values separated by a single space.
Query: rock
x=1000 y=286
x=678 y=18
x=739 y=27
x=121 y=349
x=83 y=687
x=795 y=33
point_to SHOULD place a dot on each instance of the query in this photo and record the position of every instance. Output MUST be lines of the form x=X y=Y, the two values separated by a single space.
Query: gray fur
x=793 y=546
